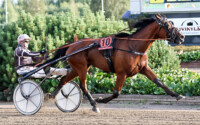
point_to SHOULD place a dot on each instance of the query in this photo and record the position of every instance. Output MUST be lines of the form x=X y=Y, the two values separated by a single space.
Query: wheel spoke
x=23 y=90
x=26 y=105
x=29 y=89
x=66 y=104
x=74 y=94
x=33 y=103
x=35 y=89
x=69 y=87
x=72 y=101
x=34 y=95
x=71 y=91
x=61 y=99
x=21 y=100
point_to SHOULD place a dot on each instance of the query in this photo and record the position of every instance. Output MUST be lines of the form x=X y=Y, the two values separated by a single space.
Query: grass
x=186 y=48
x=143 y=101
x=157 y=102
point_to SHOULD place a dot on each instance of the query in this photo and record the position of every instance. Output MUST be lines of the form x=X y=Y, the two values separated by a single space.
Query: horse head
x=170 y=31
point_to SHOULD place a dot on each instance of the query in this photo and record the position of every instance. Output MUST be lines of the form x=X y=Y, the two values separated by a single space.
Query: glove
x=46 y=56
x=43 y=51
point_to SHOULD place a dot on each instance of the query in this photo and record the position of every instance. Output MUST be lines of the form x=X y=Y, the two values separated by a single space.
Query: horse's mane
x=138 y=25
x=122 y=35
x=141 y=24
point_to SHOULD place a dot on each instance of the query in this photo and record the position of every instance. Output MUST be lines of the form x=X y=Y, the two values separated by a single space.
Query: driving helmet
x=22 y=37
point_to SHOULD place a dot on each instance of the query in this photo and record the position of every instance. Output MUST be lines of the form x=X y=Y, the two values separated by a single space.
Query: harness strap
x=133 y=52
x=110 y=64
x=134 y=39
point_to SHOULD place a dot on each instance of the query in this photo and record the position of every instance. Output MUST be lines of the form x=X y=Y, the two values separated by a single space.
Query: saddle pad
x=106 y=43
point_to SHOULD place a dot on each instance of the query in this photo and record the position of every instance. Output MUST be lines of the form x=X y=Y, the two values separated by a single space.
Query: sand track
x=110 y=114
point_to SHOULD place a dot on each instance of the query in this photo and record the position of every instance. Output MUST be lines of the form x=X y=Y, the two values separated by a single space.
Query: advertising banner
x=187 y=26
x=172 y=1
x=170 y=6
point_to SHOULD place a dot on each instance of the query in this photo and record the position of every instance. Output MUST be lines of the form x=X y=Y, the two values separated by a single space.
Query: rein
x=131 y=51
x=140 y=39
x=50 y=51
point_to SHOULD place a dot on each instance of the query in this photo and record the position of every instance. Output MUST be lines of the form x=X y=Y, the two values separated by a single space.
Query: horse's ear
x=76 y=38
x=158 y=16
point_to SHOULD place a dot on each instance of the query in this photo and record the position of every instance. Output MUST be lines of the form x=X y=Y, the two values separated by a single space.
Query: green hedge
x=190 y=56
x=162 y=55
x=181 y=81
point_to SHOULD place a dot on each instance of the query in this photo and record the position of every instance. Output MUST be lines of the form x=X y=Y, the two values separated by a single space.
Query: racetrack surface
x=111 y=114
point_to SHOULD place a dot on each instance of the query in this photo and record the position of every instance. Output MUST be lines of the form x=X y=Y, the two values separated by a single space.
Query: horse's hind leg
x=71 y=75
x=119 y=83
x=90 y=98
x=83 y=85
x=81 y=67
x=149 y=74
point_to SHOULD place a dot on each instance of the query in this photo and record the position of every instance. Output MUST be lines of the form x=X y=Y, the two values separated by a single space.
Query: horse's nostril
x=182 y=36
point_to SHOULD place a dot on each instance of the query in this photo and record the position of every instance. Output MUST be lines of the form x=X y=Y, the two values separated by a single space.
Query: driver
x=24 y=58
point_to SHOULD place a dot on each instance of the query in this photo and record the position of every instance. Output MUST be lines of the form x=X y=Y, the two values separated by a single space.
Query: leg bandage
x=116 y=93
x=158 y=82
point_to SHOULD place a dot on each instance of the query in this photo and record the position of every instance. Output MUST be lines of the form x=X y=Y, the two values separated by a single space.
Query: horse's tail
x=59 y=53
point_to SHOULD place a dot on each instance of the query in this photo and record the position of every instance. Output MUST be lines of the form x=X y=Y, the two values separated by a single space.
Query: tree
x=111 y=7
x=83 y=1
x=20 y=2
x=34 y=6
x=12 y=13
x=2 y=15
x=59 y=2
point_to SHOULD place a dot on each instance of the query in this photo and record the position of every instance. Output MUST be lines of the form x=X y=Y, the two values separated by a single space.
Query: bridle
x=171 y=33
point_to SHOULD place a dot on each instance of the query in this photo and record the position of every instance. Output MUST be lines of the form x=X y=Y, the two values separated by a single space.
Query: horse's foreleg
x=150 y=75
x=119 y=83
x=82 y=74
x=90 y=98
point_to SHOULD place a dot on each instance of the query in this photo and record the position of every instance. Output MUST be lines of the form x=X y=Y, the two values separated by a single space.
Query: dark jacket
x=23 y=57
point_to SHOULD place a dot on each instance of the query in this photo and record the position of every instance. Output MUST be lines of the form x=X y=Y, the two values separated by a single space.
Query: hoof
x=49 y=96
x=180 y=97
x=99 y=100
x=95 y=109
x=52 y=96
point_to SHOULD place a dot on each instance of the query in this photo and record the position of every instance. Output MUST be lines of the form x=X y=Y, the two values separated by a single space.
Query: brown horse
x=129 y=57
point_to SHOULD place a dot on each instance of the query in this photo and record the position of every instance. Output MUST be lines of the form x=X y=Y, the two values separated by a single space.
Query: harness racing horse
x=129 y=57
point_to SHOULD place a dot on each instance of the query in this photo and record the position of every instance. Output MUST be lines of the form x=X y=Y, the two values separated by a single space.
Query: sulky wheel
x=28 y=97
x=69 y=97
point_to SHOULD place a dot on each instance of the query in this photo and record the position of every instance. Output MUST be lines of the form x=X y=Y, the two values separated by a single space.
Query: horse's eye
x=166 y=24
x=176 y=29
